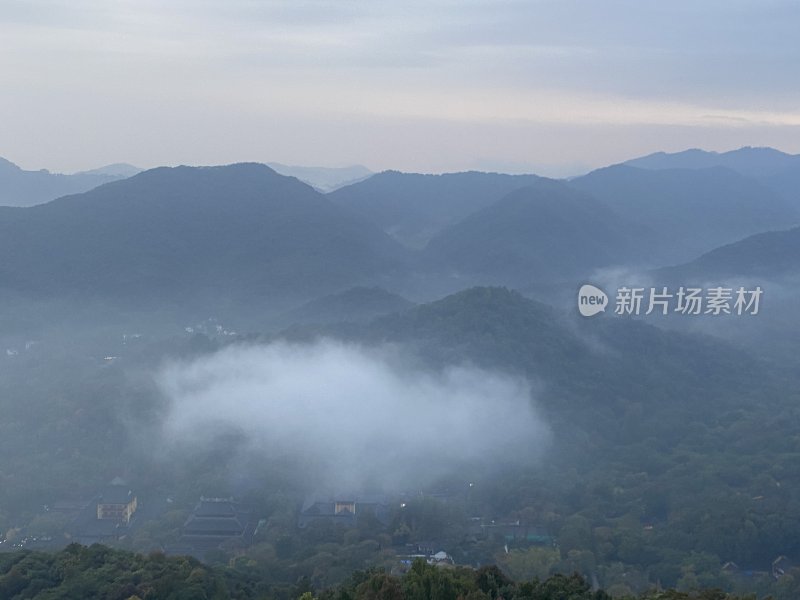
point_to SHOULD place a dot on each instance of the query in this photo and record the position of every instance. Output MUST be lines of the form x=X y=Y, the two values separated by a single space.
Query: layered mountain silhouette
x=679 y=214
x=754 y=162
x=246 y=234
x=19 y=187
x=120 y=170
x=547 y=231
x=773 y=254
x=786 y=184
x=413 y=208
x=323 y=179
x=777 y=170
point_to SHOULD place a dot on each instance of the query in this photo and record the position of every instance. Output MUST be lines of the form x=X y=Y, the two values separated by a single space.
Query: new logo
x=591 y=300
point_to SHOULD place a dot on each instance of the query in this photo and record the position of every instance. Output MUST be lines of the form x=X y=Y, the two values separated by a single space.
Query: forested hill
x=597 y=363
x=659 y=437
x=239 y=231
x=770 y=255
x=82 y=573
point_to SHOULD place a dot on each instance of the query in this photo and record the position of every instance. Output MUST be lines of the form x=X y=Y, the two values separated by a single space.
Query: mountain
x=354 y=304
x=778 y=171
x=27 y=188
x=115 y=170
x=769 y=261
x=324 y=179
x=680 y=435
x=754 y=162
x=774 y=254
x=189 y=233
x=414 y=207
x=544 y=232
x=590 y=370
x=786 y=184
x=679 y=214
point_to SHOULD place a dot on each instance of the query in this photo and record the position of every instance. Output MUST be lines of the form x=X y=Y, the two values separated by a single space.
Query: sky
x=549 y=86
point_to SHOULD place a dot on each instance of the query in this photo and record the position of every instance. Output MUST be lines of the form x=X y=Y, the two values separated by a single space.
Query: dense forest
x=100 y=572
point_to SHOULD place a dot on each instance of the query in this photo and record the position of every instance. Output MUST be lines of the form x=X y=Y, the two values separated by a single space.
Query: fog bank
x=356 y=414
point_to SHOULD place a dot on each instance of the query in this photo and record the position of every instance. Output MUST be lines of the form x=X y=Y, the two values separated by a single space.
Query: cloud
x=355 y=414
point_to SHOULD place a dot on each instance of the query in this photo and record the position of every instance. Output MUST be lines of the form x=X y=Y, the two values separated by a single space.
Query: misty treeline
x=646 y=458
x=101 y=572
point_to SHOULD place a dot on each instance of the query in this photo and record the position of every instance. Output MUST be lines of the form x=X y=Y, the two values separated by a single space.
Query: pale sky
x=550 y=86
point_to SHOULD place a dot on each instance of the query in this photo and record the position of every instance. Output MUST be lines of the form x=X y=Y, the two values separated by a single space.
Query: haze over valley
x=399 y=301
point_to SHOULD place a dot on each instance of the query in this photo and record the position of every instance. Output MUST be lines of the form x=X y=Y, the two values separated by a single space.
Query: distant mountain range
x=324 y=179
x=753 y=162
x=27 y=188
x=120 y=170
x=678 y=214
x=244 y=234
x=413 y=207
x=777 y=170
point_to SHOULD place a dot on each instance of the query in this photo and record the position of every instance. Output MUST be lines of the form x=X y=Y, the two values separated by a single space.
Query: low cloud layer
x=357 y=414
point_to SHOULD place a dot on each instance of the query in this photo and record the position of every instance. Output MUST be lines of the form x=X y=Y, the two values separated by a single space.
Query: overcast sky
x=547 y=86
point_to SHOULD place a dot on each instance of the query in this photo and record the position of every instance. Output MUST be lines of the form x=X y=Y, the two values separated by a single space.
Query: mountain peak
x=754 y=161
x=241 y=231
x=114 y=170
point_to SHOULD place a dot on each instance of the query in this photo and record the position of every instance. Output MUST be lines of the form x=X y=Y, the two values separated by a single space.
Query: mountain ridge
x=414 y=207
x=237 y=229
x=748 y=160
x=546 y=231
x=679 y=214
x=19 y=187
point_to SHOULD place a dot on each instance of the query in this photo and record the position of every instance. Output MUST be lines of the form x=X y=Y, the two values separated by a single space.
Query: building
x=107 y=518
x=116 y=503
x=510 y=531
x=343 y=509
x=215 y=521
